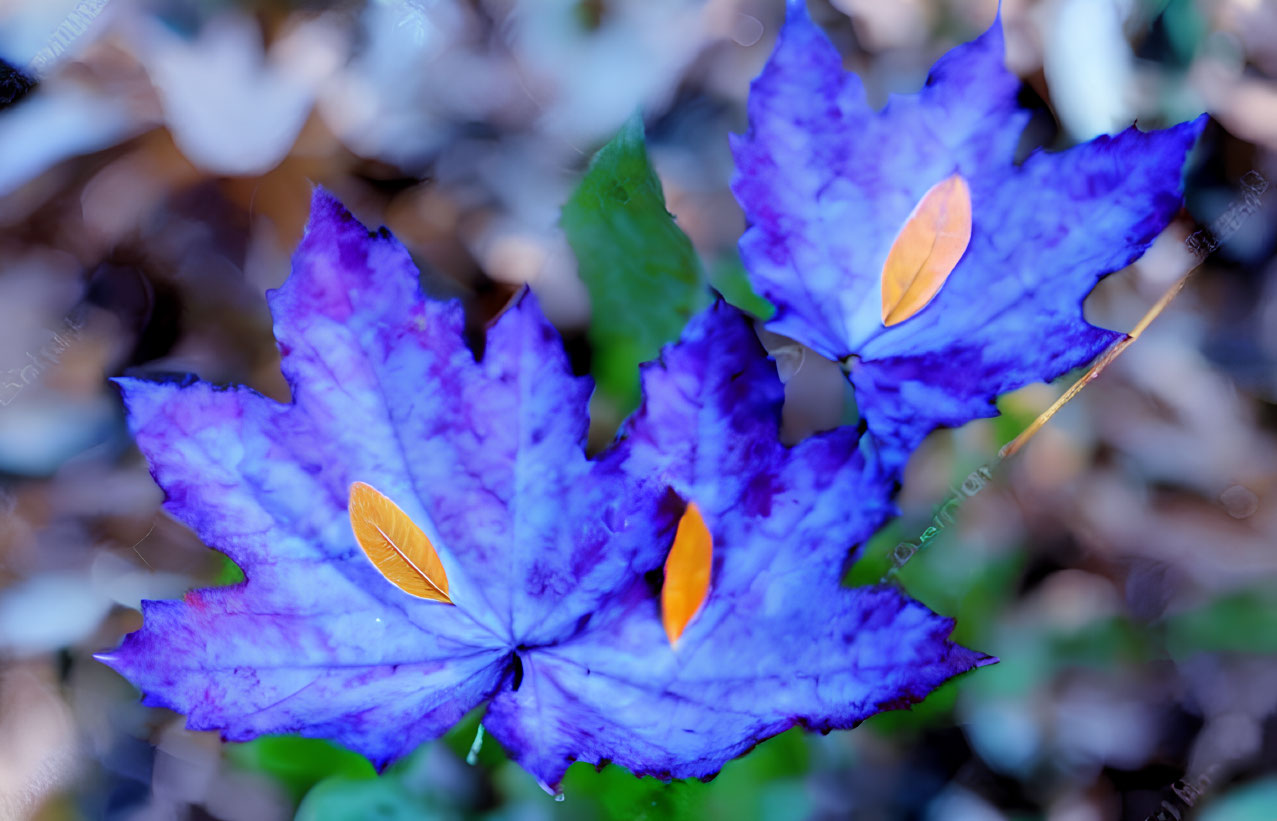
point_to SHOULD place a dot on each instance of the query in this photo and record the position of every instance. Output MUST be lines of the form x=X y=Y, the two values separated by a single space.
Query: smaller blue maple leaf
x=551 y=607
x=828 y=184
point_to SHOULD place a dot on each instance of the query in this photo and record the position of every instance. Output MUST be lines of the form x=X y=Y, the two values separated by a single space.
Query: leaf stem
x=472 y=757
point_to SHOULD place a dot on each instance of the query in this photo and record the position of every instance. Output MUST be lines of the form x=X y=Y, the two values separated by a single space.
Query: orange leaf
x=686 y=573
x=395 y=545
x=926 y=250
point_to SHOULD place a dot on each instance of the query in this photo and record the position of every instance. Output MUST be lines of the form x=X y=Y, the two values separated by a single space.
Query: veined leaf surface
x=926 y=250
x=557 y=633
x=395 y=545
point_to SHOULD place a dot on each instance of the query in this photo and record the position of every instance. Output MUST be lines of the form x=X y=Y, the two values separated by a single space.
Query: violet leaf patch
x=486 y=457
x=778 y=642
x=828 y=183
x=552 y=559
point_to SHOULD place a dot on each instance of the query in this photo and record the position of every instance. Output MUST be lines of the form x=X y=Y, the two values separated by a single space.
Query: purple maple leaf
x=778 y=642
x=553 y=559
x=827 y=183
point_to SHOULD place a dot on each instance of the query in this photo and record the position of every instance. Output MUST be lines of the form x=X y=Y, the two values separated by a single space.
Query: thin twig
x=139 y=541
x=1115 y=350
x=1201 y=247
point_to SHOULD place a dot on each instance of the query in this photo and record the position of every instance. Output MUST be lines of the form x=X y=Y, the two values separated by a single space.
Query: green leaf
x=729 y=279
x=620 y=795
x=766 y=783
x=642 y=274
x=228 y=573
x=460 y=739
x=299 y=763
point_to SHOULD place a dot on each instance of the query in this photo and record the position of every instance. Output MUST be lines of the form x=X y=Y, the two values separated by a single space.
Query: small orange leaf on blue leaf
x=396 y=545
x=820 y=173
x=926 y=250
x=687 y=572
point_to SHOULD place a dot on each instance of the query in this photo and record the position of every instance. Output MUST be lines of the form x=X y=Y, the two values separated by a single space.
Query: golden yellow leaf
x=686 y=573
x=395 y=545
x=926 y=250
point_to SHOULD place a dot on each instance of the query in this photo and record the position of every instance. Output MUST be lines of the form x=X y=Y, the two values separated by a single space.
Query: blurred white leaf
x=388 y=103
x=231 y=110
x=49 y=612
x=43 y=429
x=592 y=79
x=1088 y=65
x=54 y=123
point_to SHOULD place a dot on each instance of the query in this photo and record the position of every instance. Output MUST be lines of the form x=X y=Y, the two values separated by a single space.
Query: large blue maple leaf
x=827 y=183
x=553 y=558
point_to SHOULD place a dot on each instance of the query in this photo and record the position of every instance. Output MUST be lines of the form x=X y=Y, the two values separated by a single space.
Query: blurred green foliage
x=1244 y=622
x=765 y=784
x=299 y=763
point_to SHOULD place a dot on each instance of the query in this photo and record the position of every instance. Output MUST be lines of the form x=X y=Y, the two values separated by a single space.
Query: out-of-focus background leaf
x=300 y=763
x=156 y=162
x=642 y=273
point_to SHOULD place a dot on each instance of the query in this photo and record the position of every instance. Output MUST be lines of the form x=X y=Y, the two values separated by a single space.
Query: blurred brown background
x=156 y=162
